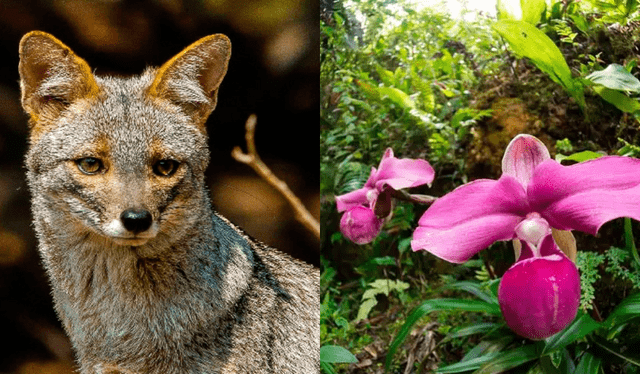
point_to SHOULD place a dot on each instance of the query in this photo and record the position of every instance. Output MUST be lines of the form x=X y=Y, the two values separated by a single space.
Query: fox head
x=123 y=159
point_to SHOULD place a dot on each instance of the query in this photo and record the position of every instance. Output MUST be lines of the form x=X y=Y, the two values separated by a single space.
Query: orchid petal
x=539 y=296
x=566 y=242
x=522 y=155
x=403 y=173
x=586 y=195
x=360 y=225
x=459 y=243
x=470 y=218
x=588 y=211
x=352 y=199
x=477 y=199
x=388 y=153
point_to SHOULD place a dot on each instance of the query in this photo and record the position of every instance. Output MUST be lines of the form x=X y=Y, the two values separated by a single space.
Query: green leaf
x=386 y=76
x=472 y=364
x=558 y=362
x=336 y=354
x=368 y=89
x=589 y=364
x=383 y=261
x=629 y=308
x=397 y=96
x=350 y=176
x=487 y=347
x=404 y=244
x=327 y=368
x=379 y=286
x=510 y=359
x=615 y=77
x=435 y=305
x=581 y=23
x=617 y=350
x=424 y=87
x=505 y=10
x=365 y=308
x=527 y=41
x=618 y=99
x=579 y=157
x=387 y=285
x=477 y=328
x=473 y=288
x=581 y=326
x=532 y=10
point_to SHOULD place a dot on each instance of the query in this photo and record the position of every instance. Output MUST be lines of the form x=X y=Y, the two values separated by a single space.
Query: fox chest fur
x=146 y=277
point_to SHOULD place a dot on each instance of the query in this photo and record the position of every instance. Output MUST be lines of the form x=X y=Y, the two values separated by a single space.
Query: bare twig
x=252 y=159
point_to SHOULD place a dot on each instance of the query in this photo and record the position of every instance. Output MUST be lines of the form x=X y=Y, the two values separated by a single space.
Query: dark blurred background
x=273 y=73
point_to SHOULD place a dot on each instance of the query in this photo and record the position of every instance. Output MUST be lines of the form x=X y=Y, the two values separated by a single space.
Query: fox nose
x=136 y=220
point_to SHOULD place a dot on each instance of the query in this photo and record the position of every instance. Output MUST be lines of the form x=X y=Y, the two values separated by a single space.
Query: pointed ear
x=51 y=76
x=191 y=78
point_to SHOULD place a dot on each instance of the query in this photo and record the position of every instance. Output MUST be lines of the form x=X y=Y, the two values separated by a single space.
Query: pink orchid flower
x=533 y=195
x=360 y=224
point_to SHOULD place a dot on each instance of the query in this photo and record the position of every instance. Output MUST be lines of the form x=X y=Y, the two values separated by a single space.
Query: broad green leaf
x=527 y=41
x=510 y=359
x=558 y=362
x=629 y=308
x=397 y=96
x=619 y=351
x=435 y=305
x=508 y=10
x=579 y=157
x=581 y=23
x=486 y=347
x=532 y=10
x=404 y=244
x=327 y=368
x=334 y=353
x=464 y=366
x=365 y=308
x=493 y=288
x=424 y=117
x=589 y=364
x=618 y=99
x=615 y=77
x=478 y=328
x=581 y=326
x=473 y=288
x=383 y=261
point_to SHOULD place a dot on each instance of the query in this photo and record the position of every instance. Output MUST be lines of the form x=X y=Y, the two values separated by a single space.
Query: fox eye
x=165 y=168
x=90 y=165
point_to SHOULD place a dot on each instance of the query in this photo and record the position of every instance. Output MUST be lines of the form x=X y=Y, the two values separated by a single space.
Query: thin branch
x=252 y=159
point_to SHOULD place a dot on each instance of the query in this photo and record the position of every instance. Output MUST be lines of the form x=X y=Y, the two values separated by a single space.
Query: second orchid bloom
x=364 y=213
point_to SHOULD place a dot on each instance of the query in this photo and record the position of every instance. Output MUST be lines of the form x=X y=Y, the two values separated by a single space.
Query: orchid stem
x=629 y=242
x=485 y=259
x=597 y=315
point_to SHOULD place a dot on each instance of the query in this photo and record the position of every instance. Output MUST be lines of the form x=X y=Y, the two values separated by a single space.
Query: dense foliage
x=454 y=93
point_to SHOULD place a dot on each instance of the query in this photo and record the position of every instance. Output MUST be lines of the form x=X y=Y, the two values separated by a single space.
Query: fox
x=146 y=276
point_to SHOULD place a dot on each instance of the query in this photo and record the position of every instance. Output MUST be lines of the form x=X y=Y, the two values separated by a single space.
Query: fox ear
x=192 y=77
x=51 y=75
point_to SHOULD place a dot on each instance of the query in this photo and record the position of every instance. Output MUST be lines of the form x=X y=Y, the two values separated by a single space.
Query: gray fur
x=199 y=296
